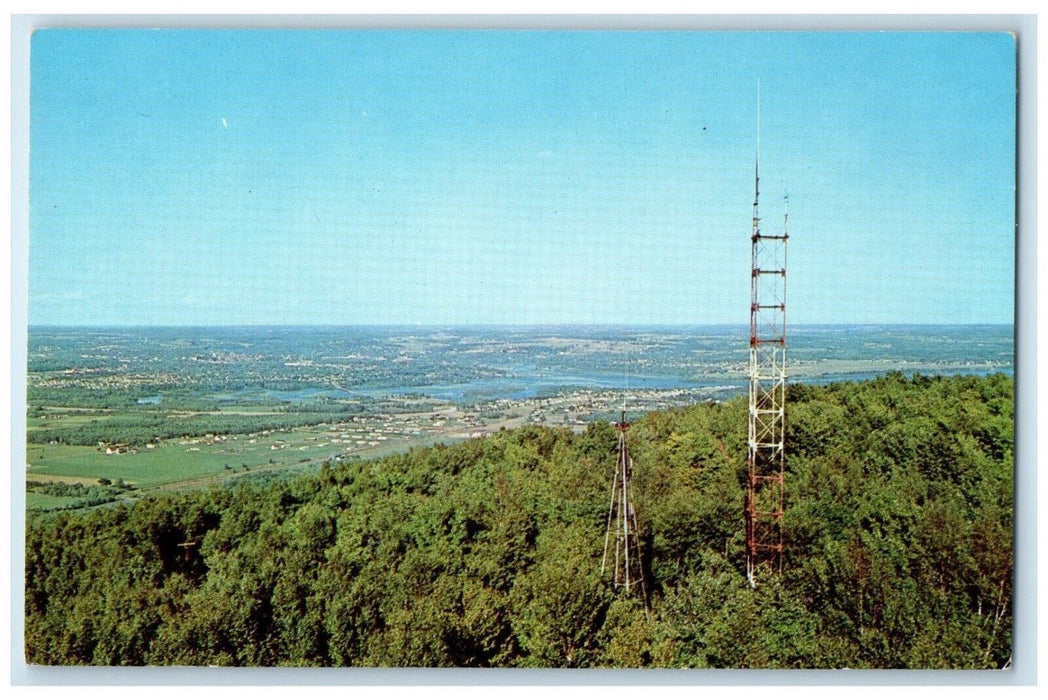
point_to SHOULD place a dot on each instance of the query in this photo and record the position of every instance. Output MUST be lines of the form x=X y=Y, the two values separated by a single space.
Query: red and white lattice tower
x=621 y=537
x=767 y=393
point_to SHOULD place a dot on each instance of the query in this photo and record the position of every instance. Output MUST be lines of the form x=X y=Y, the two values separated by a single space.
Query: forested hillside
x=487 y=553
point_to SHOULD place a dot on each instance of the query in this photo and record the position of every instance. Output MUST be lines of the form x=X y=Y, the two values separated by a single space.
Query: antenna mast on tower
x=767 y=392
x=628 y=572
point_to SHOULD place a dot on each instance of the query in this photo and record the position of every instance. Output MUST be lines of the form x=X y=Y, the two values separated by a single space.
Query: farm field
x=173 y=462
x=43 y=501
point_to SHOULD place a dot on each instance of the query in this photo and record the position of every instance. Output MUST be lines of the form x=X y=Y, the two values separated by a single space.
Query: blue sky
x=413 y=177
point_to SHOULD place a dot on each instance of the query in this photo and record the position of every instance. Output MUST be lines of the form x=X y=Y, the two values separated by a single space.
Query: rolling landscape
x=162 y=408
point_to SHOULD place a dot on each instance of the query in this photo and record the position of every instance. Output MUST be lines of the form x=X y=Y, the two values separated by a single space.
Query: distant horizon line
x=850 y=324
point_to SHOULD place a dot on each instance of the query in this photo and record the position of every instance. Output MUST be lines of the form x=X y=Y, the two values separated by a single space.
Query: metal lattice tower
x=767 y=392
x=628 y=573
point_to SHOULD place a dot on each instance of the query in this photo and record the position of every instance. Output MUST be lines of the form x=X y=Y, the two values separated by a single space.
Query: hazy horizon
x=794 y=326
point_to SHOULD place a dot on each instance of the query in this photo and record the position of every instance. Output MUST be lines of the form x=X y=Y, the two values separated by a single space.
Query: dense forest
x=487 y=552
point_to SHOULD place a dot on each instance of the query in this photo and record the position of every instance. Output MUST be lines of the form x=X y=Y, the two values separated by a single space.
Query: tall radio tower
x=628 y=573
x=767 y=393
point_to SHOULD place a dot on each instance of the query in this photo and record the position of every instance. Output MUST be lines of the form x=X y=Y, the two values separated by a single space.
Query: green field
x=64 y=420
x=184 y=462
x=55 y=453
x=42 y=501
x=171 y=462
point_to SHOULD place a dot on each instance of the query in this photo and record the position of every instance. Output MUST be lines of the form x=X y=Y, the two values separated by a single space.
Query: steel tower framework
x=767 y=392
x=622 y=531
